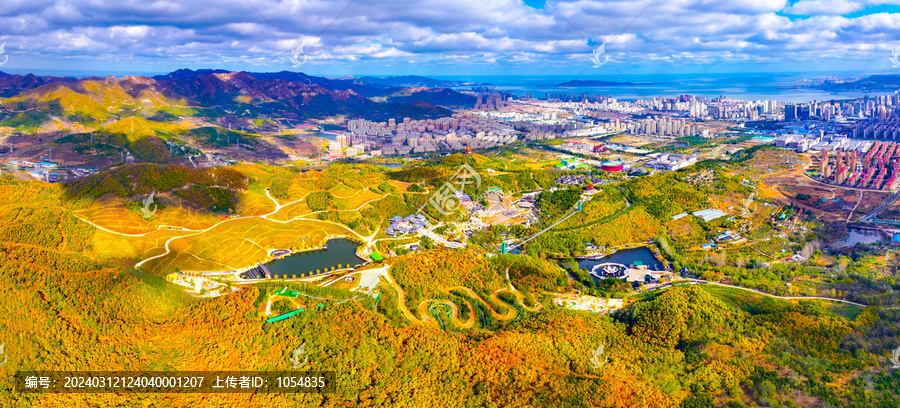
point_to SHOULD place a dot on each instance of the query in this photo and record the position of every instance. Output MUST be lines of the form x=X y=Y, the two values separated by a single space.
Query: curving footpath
x=423 y=308
x=700 y=281
x=278 y=207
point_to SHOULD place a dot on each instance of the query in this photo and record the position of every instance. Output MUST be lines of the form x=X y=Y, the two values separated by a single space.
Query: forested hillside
x=73 y=300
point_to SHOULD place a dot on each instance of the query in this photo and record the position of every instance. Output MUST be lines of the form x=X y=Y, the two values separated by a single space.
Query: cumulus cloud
x=810 y=7
x=835 y=7
x=263 y=32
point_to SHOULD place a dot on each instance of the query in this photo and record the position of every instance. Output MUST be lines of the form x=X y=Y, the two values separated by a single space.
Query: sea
x=781 y=87
x=790 y=87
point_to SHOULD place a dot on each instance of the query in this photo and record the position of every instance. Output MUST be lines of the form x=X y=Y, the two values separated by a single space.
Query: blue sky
x=457 y=37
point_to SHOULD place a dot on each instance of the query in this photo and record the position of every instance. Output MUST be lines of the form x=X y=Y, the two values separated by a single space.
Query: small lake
x=858 y=236
x=340 y=251
x=625 y=257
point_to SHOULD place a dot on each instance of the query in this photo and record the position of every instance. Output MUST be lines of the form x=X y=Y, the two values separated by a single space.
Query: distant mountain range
x=187 y=73
x=869 y=83
x=11 y=85
x=589 y=83
x=363 y=88
x=414 y=81
x=438 y=96
x=212 y=92
x=368 y=85
x=164 y=118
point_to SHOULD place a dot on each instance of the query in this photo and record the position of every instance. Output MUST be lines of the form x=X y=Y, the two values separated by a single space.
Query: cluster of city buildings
x=541 y=120
x=503 y=119
x=492 y=101
x=877 y=108
x=666 y=127
x=458 y=132
x=874 y=116
x=558 y=128
x=718 y=108
x=880 y=128
x=878 y=169
x=696 y=107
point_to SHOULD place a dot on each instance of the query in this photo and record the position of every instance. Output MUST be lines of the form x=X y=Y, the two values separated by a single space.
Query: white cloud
x=128 y=31
x=478 y=31
x=811 y=7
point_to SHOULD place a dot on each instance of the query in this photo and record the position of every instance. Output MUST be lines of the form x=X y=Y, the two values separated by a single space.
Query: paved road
x=769 y=294
x=881 y=207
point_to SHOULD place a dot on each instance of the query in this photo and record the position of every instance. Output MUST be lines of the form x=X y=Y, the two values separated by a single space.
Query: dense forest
x=142 y=179
x=67 y=307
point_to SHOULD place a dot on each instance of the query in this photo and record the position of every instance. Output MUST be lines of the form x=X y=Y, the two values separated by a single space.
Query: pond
x=339 y=251
x=858 y=236
x=625 y=257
